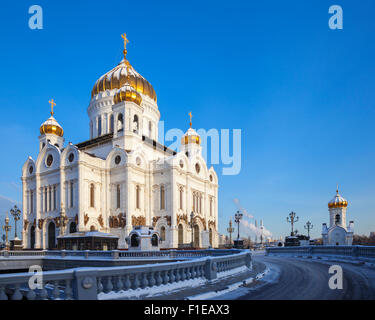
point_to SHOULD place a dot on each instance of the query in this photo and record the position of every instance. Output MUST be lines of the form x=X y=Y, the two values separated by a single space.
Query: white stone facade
x=120 y=178
x=338 y=233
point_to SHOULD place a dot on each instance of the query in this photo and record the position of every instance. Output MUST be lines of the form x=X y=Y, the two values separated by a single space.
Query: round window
x=31 y=169
x=71 y=157
x=117 y=159
x=197 y=167
x=49 y=160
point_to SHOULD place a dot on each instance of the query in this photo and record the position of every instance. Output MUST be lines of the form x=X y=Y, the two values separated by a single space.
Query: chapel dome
x=191 y=136
x=117 y=78
x=51 y=126
x=338 y=201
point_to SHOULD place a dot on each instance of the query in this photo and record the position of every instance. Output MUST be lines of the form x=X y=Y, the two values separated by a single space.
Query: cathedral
x=338 y=232
x=122 y=177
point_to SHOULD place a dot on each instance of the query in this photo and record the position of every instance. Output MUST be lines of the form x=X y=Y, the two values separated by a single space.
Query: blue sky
x=302 y=94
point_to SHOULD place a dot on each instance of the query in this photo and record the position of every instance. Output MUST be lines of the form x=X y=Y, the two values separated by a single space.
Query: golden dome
x=337 y=201
x=191 y=136
x=127 y=93
x=51 y=126
x=116 y=79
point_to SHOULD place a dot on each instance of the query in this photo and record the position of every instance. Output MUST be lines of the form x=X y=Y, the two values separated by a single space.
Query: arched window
x=337 y=219
x=162 y=233
x=91 y=130
x=71 y=194
x=32 y=202
x=99 y=126
x=181 y=198
x=118 y=197
x=111 y=123
x=137 y=197
x=32 y=237
x=162 y=198
x=120 y=122
x=51 y=236
x=92 y=195
x=72 y=227
x=49 y=198
x=135 y=124
x=194 y=203
x=150 y=129
x=180 y=234
x=154 y=240
x=92 y=228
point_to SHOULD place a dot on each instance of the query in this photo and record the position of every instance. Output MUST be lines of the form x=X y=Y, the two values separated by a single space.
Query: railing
x=352 y=252
x=116 y=254
x=87 y=283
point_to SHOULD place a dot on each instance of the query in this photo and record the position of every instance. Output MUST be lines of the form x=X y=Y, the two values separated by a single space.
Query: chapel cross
x=52 y=105
x=191 y=116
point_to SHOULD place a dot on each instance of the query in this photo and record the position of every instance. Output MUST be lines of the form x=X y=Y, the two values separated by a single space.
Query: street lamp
x=191 y=226
x=292 y=219
x=7 y=229
x=230 y=231
x=308 y=227
x=16 y=213
x=237 y=218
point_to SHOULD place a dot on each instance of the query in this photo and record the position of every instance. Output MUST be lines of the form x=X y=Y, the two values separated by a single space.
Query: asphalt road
x=306 y=279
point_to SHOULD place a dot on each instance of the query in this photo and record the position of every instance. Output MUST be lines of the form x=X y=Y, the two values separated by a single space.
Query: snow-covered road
x=305 y=279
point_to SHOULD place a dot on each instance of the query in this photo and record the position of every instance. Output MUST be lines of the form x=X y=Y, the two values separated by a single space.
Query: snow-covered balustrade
x=350 y=252
x=115 y=254
x=87 y=283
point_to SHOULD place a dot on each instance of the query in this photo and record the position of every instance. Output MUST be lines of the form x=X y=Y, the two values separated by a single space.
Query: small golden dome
x=337 y=201
x=191 y=136
x=51 y=126
x=127 y=93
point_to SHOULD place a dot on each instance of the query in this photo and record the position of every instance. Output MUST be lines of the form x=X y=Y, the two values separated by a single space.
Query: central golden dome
x=117 y=77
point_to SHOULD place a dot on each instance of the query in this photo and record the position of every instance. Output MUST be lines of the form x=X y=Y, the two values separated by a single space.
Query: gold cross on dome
x=52 y=105
x=191 y=116
x=126 y=41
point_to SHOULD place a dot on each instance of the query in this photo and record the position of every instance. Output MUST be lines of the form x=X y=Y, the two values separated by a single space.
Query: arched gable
x=70 y=155
x=42 y=163
x=26 y=168
x=117 y=157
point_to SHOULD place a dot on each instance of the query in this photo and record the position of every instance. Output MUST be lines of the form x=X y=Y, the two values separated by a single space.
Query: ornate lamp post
x=308 y=227
x=16 y=213
x=192 y=226
x=292 y=219
x=237 y=218
x=230 y=231
x=7 y=229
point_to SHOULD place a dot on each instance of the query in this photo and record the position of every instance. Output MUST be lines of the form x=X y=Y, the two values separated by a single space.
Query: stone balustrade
x=87 y=283
x=364 y=253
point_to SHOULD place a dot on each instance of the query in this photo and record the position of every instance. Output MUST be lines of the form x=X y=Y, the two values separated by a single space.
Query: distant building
x=338 y=233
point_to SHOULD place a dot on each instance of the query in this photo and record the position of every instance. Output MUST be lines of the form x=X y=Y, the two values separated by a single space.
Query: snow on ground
x=168 y=288
x=155 y=290
x=223 y=294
